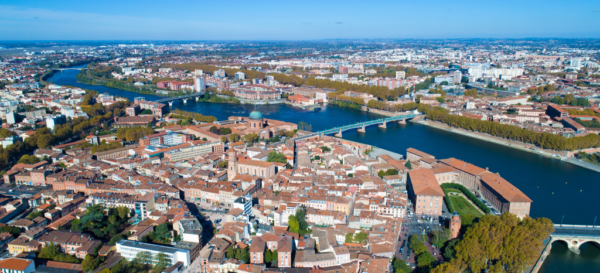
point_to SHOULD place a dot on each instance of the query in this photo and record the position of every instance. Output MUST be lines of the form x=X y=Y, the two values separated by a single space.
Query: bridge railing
x=367 y=123
x=578 y=226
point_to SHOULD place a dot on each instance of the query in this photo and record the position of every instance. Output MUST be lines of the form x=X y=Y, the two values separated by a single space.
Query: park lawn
x=462 y=205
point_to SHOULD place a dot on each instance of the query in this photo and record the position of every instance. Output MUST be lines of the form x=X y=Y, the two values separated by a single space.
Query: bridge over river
x=360 y=126
x=576 y=235
x=185 y=98
x=573 y=236
x=69 y=68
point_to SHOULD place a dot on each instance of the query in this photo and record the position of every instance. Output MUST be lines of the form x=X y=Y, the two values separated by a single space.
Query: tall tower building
x=232 y=165
x=199 y=84
x=455 y=224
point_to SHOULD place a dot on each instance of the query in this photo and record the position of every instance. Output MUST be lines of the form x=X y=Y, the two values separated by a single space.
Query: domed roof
x=256 y=115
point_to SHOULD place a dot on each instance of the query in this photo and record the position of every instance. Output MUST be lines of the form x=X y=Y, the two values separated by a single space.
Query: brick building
x=426 y=194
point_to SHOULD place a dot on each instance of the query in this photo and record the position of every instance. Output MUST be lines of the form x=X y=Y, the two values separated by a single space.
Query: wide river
x=557 y=188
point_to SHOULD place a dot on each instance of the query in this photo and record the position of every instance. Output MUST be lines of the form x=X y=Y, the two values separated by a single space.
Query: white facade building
x=130 y=249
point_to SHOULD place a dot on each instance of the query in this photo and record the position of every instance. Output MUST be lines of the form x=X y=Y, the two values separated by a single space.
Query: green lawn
x=461 y=204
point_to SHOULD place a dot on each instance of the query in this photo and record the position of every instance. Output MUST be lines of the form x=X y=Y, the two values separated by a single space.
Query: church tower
x=232 y=165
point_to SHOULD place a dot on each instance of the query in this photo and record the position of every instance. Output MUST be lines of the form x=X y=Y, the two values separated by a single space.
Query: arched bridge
x=576 y=235
x=68 y=68
x=360 y=126
x=185 y=98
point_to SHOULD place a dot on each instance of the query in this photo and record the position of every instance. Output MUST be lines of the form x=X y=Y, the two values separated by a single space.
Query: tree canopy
x=276 y=157
x=499 y=244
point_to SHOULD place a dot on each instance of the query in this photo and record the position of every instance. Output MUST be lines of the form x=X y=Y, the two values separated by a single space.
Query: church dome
x=256 y=115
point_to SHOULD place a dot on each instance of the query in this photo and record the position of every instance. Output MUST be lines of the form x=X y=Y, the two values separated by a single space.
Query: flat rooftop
x=149 y=247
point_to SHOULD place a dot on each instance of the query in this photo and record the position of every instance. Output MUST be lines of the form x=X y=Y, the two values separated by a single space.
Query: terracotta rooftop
x=423 y=182
x=15 y=264
x=504 y=188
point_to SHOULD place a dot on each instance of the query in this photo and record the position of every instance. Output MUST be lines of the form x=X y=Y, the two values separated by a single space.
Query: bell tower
x=232 y=165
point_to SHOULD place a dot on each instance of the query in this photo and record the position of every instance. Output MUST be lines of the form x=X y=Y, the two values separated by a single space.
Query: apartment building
x=425 y=192
x=193 y=151
x=130 y=249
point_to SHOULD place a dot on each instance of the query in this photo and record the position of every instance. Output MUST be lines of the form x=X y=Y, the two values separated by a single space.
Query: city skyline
x=136 y=20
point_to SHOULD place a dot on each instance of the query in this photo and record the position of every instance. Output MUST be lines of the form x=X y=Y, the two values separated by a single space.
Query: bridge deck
x=361 y=124
x=367 y=123
x=576 y=230
x=180 y=97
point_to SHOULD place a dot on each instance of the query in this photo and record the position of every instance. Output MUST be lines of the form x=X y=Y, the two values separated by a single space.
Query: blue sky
x=296 y=20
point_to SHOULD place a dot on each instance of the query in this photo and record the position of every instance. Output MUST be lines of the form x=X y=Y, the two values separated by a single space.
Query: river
x=557 y=188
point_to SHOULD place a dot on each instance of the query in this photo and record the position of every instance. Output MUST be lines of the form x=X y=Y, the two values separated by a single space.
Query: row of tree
x=133 y=134
x=176 y=113
x=543 y=140
x=424 y=259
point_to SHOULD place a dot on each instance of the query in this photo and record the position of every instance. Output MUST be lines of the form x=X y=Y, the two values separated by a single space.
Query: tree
x=425 y=260
x=144 y=257
x=569 y=98
x=231 y=252
x=115 y=239
x=162 y=261
x=301 y=216
x=89 y=263
x=243 y=254
x=471 y=92
x=276 y=157
x=268 y=256
x=449 y=267
x=502 y=243
x=416 y=244
x=161 y=234
x=274 y=256
x=383 y=173
x=557 y=100
x=408 y=165
x=400 y=266
x=293 y=224
x=27 y=159
x=45 y=141
x=361 y=237
x=250 y=138
x=234 y=137
x=449 y=252
x=123 y=212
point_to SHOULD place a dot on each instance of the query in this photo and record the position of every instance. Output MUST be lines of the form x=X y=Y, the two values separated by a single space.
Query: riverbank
x=498 y=140
x=562 y=155
x=545 y=252
x=583 y=164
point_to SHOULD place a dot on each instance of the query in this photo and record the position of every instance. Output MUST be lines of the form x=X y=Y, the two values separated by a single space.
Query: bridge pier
x=338 y=134
x=402 y=121
x=382 y=125
x=361 y=130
